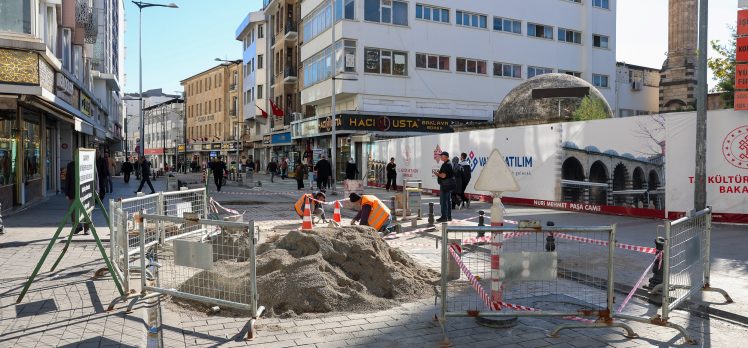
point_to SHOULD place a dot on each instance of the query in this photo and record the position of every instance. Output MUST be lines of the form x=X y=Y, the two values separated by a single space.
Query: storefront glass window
x=8 y=148
x=32 y=142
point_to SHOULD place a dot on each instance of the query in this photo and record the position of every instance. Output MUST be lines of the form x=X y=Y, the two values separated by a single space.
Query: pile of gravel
x=347 y=269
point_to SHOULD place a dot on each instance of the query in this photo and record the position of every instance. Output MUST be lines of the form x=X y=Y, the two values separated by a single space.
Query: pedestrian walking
x=467 y=173
x=218 y=167
x=447 y=184
x=457 y=193
x=145 y=174
x=351 y=169
x=299 y=173
x=284 y=168
x=102 y=173
x=272 y=169
x=250 y=168
x=324 y=172
x=391 y=175
x=126 y=170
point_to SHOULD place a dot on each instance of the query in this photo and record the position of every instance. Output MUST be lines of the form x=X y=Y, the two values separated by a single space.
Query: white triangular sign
x=496 y=176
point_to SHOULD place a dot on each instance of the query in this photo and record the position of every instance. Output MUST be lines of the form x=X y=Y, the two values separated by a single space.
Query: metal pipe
x=699 y=187
x=334 y=140
x=445 y=245
x=535 y=230
x=611 y=252
x=666 y=272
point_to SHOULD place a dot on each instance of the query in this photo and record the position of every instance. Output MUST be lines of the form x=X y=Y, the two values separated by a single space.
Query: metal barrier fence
x=212 y=264
x=685 y=265
x=522 y=272
x=124 y=242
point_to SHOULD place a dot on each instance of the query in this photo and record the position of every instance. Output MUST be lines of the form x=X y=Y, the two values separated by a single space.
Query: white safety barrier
x=205 y=265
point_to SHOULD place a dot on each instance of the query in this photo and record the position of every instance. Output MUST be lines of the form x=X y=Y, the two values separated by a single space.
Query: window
x=317 y=22
x=430 y=61
x=600 y=80
x=431 y=13
x=259 y=92
x=572 y=73
x=345 y=60
x=259 y=61
x=344 y=9
x=468 y=19
x=386 y=62
x=507 y=25
x=318 y=67
x=15 y=16
x=601 y=4
x=386 y=11
x=539 y=30
x=67 y=59
x=599 y=41
x=260 y=32
x=533 y=71
x=570 y=36
x=507 y=70
x=473 y=66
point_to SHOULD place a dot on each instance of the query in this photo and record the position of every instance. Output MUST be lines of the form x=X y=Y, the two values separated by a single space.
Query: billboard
x=635 y=166
x=86 y=167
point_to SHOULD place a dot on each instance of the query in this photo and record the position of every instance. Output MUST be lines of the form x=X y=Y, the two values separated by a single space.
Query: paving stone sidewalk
x=66 y=308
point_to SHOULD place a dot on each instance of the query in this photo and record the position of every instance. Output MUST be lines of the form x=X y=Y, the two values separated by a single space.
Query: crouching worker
x=317 y=209
x=373 y=212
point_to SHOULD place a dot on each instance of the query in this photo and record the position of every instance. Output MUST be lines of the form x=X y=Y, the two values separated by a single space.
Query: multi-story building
x=213 y=107
x=132 y=116
x=60 y=80
x=409 y=67
x=252 y=33
x=164 y=133
x=637 y=90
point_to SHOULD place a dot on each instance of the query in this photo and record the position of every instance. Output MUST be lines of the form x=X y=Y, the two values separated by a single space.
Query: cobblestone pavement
x=67 y=308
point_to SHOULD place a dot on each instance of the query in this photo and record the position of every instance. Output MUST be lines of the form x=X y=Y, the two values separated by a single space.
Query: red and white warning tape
x=487 y=239
x=215 y=205
x=641 y=249
x=639 y=282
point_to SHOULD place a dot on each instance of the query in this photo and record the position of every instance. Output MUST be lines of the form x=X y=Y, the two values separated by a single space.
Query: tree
x=723 y=67
x=591 y=108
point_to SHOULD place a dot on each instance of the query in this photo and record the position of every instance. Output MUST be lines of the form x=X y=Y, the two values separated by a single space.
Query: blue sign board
x=281 y=138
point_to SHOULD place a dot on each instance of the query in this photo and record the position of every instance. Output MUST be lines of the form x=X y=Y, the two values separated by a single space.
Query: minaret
x=678 y=76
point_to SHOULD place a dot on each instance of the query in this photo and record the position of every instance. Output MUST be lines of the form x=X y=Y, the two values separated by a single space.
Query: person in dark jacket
x=102 y=173
x=218 y=167
x=391 y=174
x=445 y=178
x=458 y=193
x=70 y=177
x=351 y=169
x=272 y=169
x=299 y=173
x=467 y=173
x=145 y=174
x=324 y=172
x=127 y=169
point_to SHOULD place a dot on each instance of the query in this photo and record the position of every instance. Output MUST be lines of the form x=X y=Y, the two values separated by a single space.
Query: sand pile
x=332 y=269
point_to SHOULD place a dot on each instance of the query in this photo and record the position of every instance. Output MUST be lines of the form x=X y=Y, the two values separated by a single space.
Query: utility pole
x=334 y=140
x=699 y=194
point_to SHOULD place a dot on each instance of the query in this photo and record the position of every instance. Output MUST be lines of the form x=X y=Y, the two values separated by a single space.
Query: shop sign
x=85 y=105
x=266 y=139
x=389 y=124
x=170 y=151
x=229 y=146
x=280 y=138
x=742 y=28
x=215 y=146
x=190 y=147
x=180 y=147
x=76 y=97
x=306 y=128
x=64 y=88
x=206 y=146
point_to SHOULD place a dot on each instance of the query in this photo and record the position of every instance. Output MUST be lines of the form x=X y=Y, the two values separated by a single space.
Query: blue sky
x=179 y=43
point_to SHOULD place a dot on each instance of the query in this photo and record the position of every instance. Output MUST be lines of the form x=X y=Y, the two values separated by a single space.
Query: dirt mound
x=329 y=270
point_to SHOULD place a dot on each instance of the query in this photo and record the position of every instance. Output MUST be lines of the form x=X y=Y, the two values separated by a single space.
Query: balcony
x=291 y=32
x=232 y=87
x=290 y=75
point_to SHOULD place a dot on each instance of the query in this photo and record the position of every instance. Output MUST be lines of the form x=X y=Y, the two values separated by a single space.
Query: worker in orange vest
x=373 y=212
x=317 y=210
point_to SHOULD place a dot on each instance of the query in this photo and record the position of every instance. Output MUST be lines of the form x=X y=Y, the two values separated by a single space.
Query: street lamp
x=141 y=5
x=127 y=132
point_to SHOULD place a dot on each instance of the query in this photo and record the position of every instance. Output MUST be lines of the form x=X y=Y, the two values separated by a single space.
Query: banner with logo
x=635 y=166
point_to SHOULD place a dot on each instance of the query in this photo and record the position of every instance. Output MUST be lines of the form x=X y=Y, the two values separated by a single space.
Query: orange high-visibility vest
x=380 y=213
x=299 y=206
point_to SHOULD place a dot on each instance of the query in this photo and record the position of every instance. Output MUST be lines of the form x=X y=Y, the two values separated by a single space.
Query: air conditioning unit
x=297 y=116
x=636 y=85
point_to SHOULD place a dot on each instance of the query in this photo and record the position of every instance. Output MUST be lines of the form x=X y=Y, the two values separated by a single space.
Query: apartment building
x=424 y=63
x=637 y=90
x=257 y=122
x=151 y=97
x=60 y=80
x=213 y=107
x=164 y=133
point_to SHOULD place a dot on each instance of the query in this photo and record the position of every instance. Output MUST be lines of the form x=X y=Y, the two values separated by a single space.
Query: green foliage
x=723 y=67
x=591 y=108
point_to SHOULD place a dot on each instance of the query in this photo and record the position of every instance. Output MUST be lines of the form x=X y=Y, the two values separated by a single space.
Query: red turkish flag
x=264 y=114
x=276 y=110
